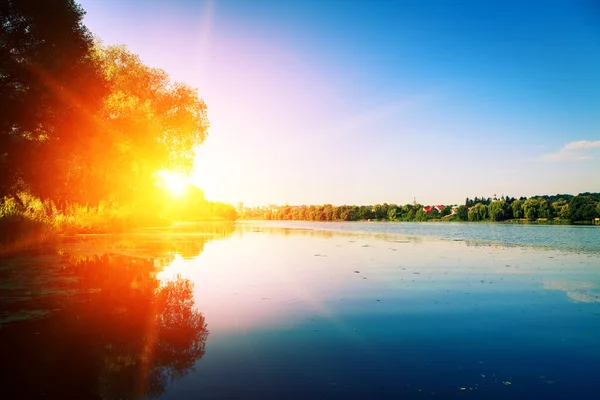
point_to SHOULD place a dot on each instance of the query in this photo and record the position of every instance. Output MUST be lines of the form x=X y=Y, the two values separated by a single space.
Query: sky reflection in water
x=339 y=315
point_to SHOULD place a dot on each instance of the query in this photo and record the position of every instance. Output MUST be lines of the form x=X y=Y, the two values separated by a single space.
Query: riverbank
x=19 y=232
x=27 y=221
x=524 y=221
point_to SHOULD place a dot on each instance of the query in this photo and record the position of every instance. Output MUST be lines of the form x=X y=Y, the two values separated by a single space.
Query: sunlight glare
x=175 y=183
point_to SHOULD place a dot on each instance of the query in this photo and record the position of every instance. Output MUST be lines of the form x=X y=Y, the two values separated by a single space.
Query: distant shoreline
x=521 y=221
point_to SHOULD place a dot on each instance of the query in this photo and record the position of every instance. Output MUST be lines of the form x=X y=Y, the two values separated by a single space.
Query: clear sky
x=364 y=102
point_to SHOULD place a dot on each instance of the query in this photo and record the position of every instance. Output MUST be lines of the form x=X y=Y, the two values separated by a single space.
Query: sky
x=366 y=102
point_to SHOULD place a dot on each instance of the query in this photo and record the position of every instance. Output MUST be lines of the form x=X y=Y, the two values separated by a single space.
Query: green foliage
x=446 y=211
x=530 y=209
x=538 y=207
x=499 y=210
x=392 y=213
x=421 y=215
x=517 y=209
x=583 y=207
x=478 y=212
x=462 y=213
x=560 y=208
x=477 y=200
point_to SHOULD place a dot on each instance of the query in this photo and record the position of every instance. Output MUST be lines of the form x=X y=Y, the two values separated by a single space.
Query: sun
x=175 y=183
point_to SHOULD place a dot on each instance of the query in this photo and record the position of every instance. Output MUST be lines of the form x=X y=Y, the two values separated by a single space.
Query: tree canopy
x=150 y=122
x=81 y=122
x=581 y=208
x=49 y=88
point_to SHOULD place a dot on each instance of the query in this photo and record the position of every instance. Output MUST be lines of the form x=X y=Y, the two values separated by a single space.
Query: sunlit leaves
x=153 y=123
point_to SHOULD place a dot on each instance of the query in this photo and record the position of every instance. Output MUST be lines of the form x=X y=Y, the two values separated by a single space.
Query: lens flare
x=175 y=183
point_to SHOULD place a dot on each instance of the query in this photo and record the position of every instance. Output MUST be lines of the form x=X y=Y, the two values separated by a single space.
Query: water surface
x=260 y=310
x=566 y=237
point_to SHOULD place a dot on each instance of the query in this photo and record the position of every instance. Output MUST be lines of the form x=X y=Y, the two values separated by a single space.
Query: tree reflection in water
x=115 y=332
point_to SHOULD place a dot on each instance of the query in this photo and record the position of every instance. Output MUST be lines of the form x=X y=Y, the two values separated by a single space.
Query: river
x=305 y=310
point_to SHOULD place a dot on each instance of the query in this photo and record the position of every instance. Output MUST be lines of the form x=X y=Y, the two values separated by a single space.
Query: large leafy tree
x=517 y=208
x=531 y=209
x=49 y=90
x=478 y=212
x=462 y=213
x=499 y=210
x=81 y=123
x=583 y=207
x=149 y=122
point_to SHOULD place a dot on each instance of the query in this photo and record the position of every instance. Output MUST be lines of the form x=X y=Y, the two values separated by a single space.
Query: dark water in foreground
x=262 y=311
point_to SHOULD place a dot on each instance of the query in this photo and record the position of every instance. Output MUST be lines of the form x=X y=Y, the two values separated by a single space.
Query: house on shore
x=429 y=209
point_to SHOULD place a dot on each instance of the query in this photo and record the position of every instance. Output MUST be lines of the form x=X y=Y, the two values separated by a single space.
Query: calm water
x=566 y=237
x=330 y=310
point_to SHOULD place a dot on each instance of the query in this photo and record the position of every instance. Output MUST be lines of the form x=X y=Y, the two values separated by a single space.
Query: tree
x=407 y=212
x=365 y=212
x=478 y=212
x=544 y=209
x=498 y=210
x=392 y=213
x=517 y=208
x=583 y=207
x=328 y=212
x=421 y=215
x=380 y=211
x=462 y=213
x=447 y=210
x=354 y=213
x=531 y=209
x=560 y=208
x=50 y=88
x=150 y=122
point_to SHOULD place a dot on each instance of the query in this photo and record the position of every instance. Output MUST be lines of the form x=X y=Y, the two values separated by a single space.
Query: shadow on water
x=96 y=326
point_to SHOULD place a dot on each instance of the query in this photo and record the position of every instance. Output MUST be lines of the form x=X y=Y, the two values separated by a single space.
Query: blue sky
x=364 y=102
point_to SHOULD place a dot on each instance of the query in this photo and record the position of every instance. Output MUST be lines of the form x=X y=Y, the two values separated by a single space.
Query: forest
x=560 y=208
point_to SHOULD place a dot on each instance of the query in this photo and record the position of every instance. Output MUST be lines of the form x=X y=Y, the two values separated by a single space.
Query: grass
x=23 y=226
x=18 y=232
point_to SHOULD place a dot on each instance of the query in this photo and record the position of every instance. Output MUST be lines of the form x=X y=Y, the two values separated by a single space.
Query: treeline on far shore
x=583 y=208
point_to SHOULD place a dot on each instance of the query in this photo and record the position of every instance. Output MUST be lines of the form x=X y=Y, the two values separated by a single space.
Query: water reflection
x=106 y=328
x=324 y=230
x=565 y=237
x=185 y=239
x=306 y=313
x=577 y=291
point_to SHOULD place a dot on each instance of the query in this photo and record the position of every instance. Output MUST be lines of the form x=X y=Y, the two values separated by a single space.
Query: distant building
x=240 y=205
x=429 y=209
